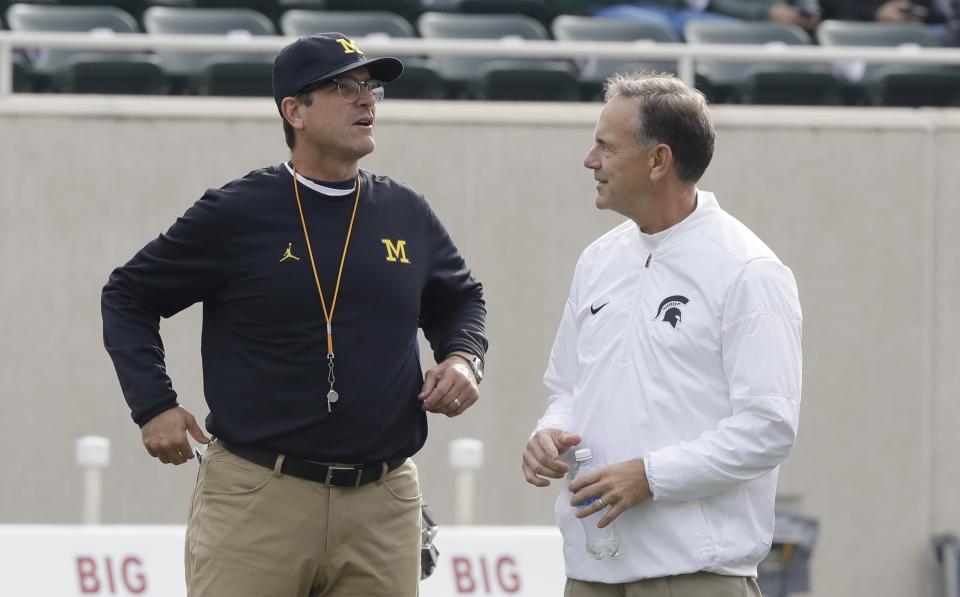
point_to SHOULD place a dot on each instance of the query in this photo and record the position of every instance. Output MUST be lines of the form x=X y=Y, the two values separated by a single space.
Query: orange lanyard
x=332 y=395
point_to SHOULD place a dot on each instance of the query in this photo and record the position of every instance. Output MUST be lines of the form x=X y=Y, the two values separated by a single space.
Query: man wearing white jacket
x=677 y=362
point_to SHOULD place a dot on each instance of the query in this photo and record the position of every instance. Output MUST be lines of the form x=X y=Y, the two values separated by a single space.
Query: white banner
x=68 y=561
x=497 y=561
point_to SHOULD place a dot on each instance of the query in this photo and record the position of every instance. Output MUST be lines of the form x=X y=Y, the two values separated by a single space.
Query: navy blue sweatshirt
x=264 y=334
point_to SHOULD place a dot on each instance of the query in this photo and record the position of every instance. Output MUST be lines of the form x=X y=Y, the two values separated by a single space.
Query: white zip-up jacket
x=687 y=356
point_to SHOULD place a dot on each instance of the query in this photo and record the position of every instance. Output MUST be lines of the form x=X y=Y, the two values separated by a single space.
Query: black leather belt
x=337 y=475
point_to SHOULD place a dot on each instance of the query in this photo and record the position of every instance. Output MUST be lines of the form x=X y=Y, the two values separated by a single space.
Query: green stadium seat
x=356 y=24
x=242 y=74
x=593 y=72
x=763 y=82
x=134 y=8
x=268 y=8
x=86 y=71
x=22 y=75
x=408 y=9
x=896 y=85
x=532 y=8
x=127 y=76
x=495 y=78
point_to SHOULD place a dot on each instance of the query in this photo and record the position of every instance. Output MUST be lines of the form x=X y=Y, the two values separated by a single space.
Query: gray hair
x=669 y=112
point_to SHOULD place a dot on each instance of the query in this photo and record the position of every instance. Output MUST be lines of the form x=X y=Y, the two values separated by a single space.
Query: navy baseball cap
x=313 y=58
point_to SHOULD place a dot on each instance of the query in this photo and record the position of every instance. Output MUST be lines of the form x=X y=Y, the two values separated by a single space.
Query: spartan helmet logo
x=670 y=309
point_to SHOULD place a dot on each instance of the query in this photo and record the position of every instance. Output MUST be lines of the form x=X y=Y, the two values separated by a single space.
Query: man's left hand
x=619 y=486
x=449 y=388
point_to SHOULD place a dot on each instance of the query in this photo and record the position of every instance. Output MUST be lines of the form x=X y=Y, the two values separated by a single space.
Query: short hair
x=305 y=97
x=671 y=113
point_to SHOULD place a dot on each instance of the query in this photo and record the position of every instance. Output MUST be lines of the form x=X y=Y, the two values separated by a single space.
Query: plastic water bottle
x=601 y=543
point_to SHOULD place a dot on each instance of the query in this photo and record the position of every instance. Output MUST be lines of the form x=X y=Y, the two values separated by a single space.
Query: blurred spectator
x=802 y=13
x=941 y=16
x=886 y=11
x=951 y=13
x=675 y=14
x=670 y=14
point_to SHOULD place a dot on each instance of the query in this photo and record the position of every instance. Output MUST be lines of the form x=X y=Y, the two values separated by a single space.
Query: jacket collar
x=706 y=206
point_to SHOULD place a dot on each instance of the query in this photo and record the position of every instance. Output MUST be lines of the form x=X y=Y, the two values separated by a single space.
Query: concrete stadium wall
x=858 y=203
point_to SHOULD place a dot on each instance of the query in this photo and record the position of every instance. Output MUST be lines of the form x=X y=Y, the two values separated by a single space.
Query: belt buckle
x=332 y=468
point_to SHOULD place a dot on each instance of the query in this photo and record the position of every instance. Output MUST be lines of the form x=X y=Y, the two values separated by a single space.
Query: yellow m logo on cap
x=349 y=46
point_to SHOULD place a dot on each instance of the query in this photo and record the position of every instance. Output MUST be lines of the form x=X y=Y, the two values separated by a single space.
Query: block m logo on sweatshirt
x=396 y=251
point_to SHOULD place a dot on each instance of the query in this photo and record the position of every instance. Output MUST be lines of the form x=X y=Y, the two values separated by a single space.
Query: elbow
x=768 y=433
x=779 y=437
x=112 y=288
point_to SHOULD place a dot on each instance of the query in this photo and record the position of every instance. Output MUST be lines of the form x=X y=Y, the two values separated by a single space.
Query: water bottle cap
x=583 y=454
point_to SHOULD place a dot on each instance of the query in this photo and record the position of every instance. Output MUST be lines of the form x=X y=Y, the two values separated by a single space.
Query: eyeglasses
x=349 y=88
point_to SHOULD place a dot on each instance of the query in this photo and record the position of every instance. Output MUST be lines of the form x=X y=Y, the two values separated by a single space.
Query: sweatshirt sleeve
x=762 y=362
x=168 y=275
x=561 y=374
x=452 y=309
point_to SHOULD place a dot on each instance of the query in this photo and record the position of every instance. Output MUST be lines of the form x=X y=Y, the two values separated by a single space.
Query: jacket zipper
x=634 y=315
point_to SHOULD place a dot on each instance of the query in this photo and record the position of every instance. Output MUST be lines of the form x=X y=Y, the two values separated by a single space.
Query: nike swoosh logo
x=597 y=310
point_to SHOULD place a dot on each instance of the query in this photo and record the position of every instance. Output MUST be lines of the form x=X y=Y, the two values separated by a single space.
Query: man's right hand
x=165 y=435
x=542 y=456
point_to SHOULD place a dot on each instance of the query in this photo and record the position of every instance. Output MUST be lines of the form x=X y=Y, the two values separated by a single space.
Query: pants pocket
x=228 y=474
x=402 y=483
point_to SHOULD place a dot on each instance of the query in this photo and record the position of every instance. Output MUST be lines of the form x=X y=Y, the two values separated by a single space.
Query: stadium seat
x=531 y=8
x=896 y=85
x=420 y=78
x=760 y=82
x=84 y=71
x=22 y=76
x=271 y=9
x=6 y=4
x=354 y=24
x=593 y=72
x=219 y=73
x=495 y=78
x=163 y=3
x=129 y=76
x=134 y=8
x=168 y=4
x=408 y=9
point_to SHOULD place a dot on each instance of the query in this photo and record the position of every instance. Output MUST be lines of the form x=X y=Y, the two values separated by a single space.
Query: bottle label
x=587 y=502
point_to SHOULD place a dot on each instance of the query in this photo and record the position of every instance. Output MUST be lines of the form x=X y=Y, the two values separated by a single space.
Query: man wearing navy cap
x=314 y=276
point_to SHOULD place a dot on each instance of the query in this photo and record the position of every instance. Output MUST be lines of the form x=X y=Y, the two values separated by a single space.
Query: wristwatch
x=475 y=362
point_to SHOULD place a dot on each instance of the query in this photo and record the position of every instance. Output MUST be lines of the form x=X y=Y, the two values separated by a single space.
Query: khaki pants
x=253 y=532
x=701 y=584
